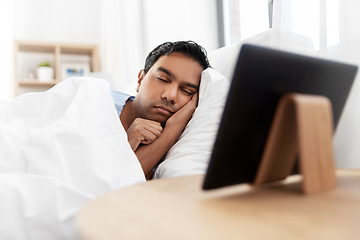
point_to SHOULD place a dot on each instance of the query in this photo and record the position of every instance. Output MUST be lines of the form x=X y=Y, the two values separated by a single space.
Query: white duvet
x=60 y=149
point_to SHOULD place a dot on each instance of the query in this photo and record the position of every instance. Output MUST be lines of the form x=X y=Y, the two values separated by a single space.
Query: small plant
x=45 y=64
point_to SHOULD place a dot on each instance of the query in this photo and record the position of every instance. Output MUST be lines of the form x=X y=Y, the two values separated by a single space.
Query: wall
x=68 y=21
x=79 y=21
x=65 y=21
x=180 y=20
x=6 y=46
x=155 y=22
x=347 y=135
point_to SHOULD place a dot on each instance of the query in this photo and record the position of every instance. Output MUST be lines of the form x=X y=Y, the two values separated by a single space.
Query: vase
x=45 y=74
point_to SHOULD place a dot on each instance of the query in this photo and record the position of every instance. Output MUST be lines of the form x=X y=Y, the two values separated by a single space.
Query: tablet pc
x=261 y=77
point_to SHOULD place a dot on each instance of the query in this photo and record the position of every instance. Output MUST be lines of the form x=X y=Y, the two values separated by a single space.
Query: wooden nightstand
x=178 y=208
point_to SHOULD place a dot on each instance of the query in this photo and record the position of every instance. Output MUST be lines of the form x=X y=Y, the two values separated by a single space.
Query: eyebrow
x=192 y=86
x=166 y=71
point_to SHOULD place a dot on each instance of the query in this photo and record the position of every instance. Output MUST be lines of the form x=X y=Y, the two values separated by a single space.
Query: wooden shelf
x=35 y=82
x=57 y=49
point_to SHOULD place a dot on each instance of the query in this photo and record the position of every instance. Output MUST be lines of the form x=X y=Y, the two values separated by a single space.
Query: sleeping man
x=167 y=95
x=64 y=147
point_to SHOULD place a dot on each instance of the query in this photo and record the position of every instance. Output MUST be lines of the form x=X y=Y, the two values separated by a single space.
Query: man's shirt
x=120 y=100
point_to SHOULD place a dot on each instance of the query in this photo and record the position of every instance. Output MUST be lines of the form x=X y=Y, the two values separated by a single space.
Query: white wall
x=64 y=21
x=67 y=21
x=6 y=46
x=79 y=21
x=161 y=21
x=174 y=20
x=347 y=136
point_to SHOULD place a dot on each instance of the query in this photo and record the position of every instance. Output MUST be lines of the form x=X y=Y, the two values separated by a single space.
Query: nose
x=170 y=93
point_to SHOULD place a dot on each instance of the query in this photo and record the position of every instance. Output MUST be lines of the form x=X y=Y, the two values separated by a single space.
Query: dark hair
x=189 y=48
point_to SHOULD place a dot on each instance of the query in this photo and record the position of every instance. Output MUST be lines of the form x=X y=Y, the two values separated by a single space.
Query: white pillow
x=191 y=153
x=224 y=59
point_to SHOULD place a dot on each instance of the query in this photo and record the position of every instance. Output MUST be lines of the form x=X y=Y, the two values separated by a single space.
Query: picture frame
x=74 y=70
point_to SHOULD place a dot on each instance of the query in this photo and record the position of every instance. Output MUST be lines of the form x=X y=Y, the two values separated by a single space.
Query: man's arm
x=150 y=154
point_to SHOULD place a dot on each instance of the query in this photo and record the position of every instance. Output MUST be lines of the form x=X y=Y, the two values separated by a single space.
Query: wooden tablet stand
x=302 y=127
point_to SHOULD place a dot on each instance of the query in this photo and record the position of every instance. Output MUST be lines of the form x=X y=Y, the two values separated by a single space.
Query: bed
x=66 y=146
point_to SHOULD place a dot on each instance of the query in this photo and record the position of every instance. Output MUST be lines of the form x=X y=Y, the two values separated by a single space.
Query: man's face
x=168 y=85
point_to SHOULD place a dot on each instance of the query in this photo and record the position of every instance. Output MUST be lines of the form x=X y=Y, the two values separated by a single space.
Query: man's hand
x=183 y=115
x=143 y=131
x=151 y=154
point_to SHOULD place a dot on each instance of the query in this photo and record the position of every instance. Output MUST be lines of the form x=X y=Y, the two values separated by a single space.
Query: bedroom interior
x=109 y=40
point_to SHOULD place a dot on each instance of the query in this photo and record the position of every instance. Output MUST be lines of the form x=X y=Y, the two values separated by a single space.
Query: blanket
x=60 y=149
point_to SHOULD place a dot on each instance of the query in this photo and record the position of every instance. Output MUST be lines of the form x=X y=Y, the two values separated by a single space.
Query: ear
x=141 y=76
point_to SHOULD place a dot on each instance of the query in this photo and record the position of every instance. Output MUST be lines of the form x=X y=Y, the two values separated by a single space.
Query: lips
x=164 y=110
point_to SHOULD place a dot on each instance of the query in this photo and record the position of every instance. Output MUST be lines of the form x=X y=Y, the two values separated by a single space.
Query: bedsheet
x=60 y=149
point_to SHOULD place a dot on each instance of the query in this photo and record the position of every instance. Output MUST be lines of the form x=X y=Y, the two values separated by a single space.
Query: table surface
x=178 y=208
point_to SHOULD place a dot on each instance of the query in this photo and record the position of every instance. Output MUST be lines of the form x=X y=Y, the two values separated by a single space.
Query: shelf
x=35 y=82
x=71 y=49
x=58 y=50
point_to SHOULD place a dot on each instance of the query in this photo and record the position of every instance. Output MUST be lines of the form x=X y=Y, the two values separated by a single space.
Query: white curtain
x=332 y=25
x=121 y=44
x=6 y=50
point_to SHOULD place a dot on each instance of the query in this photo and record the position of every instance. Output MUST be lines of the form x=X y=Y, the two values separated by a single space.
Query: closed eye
x=161 y=79
x=187 y=91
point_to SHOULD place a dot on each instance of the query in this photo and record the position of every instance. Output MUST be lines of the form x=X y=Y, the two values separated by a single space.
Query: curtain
x=6 y=50
x=121 y=43
x=332 y=25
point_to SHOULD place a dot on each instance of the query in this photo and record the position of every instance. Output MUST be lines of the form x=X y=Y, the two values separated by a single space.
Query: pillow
x=191 y=153
x=224 y=59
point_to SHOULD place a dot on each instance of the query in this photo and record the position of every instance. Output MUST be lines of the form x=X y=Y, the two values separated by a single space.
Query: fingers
x=191 y=105
x=147 y=137
x=143 y=131
x=194 y=100
x=153 y=127
x=184 y=114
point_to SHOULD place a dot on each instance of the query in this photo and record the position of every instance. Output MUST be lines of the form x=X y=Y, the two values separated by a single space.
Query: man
x=167 y=97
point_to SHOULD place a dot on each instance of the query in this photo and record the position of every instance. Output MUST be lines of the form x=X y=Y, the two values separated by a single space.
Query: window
x=244 y=18
x=316 y=19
